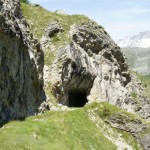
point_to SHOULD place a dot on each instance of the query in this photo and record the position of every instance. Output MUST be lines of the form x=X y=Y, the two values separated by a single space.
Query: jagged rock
x=123 y=122
x=136 y=127
x=53 y=28
x=98 y=75
x=21 y=65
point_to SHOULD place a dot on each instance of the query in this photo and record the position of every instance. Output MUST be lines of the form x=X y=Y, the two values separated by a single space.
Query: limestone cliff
x=92 y=68
x=21 y=65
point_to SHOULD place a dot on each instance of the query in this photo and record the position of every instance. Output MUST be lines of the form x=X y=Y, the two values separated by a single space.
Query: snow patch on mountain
x=141 y=40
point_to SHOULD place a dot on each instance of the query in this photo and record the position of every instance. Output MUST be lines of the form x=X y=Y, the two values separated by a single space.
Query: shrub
x=24 y=1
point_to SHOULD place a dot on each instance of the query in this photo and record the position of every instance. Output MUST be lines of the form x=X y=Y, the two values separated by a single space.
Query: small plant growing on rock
x=134 y=95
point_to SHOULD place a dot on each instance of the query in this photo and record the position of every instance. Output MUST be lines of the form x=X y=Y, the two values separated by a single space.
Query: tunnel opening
x=77 y=98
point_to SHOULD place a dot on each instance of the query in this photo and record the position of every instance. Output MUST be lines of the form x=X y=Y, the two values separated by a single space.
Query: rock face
x=52 y=29
x=21 y=65
x=134 y=126
x=92 y=68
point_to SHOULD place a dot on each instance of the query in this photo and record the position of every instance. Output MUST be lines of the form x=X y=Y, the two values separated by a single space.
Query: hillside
x=138 y=59
x=65 y=84
x=92 y=127
x=137 y=51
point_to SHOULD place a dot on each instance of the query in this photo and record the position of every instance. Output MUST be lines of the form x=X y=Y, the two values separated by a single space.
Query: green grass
x=39 y=18
x=70 y=130
x=134 y=95
x=65 y=130
x=129 y=139
x=105 y=110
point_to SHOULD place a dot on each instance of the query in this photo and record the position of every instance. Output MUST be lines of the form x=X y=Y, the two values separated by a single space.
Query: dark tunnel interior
x=77 y=98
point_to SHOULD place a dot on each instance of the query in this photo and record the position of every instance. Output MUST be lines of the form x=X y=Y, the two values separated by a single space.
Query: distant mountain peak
x=141 y=40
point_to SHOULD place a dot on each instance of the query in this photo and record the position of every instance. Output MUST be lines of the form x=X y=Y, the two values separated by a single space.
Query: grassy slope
x=65 y=130
x=104 y=111
x=39 y=18
x=69 y=130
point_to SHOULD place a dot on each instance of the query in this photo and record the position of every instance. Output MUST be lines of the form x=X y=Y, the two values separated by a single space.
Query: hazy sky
x=119 y=17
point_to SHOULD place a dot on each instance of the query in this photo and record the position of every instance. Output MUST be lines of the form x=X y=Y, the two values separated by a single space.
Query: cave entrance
x=77 y=98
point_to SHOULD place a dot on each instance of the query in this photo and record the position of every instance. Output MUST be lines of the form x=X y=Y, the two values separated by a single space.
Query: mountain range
x=141 y=40
x=137 y=51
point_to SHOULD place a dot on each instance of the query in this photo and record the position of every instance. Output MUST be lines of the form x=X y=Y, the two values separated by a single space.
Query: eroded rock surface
x=131 y=125
x=93 y=64
x=21 y=65
x=52 y=29
x=92 y=68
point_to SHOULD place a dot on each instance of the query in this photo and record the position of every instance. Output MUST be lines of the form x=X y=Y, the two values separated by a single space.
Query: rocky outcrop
x=136 y=127
x=52 y=30
x=92 y=68
x=21 y=65
x=125 y=123
x=93 y=64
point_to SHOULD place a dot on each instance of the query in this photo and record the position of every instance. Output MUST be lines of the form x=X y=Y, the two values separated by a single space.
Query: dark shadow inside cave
x=77 y=98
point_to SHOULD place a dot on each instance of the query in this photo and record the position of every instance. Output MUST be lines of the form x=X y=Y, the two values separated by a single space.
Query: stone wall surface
x=21 y=65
